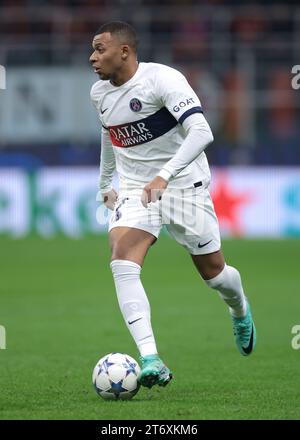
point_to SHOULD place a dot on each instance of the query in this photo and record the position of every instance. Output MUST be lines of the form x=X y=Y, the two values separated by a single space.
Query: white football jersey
x=143 y=118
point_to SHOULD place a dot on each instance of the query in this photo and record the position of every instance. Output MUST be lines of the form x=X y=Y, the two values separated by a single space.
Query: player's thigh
x=130 y=244
x=193 y=222
x=209 y=265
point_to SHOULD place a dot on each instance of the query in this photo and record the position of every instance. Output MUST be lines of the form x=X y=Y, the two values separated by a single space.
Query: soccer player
x=154 y=134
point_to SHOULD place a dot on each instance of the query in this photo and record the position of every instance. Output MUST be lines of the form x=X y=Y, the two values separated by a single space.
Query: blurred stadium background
x=239 y=57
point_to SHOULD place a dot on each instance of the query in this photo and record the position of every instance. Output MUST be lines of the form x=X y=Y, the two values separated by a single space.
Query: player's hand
x=109 y=198
x=153 y=190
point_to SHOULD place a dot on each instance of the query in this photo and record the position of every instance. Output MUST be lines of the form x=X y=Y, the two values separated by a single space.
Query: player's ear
x=125 y=52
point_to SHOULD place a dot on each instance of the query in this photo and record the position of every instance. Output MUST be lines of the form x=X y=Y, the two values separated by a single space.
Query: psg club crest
x=135 y=105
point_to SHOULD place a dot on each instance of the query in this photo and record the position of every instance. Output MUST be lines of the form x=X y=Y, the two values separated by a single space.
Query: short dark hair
x=123 y=30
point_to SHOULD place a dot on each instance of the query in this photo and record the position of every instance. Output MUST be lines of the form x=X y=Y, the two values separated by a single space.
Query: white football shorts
x=188 y=215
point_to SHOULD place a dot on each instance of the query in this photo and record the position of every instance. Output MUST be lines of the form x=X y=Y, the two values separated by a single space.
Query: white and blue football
x=115 y=376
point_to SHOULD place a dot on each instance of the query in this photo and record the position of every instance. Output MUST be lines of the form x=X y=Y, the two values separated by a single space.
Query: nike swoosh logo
x=131 y=322
x=202 y=245
x=103 y=111
x=248 y=349
x=148 y=336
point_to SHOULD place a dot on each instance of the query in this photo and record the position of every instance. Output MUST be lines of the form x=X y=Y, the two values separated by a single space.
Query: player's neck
x=125 y=75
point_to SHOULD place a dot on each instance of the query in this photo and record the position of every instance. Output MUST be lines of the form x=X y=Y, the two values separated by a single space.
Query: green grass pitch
x=61 y=315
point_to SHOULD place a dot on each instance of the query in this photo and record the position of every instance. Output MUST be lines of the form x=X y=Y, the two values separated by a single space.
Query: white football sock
x=134 y=304
x=229 y=285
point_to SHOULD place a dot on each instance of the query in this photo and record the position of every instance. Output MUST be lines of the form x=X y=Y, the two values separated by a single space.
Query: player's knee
x=210 y=265
x=225 y=279
x=214 y=276
x=118 y=252
x=118 y=255
x=212 y=270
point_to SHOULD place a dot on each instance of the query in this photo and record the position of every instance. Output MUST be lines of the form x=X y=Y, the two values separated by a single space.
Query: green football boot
x=154 y=372
x=245 y=333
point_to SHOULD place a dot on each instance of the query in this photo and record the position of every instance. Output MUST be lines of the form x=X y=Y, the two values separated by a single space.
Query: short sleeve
x=176 y=94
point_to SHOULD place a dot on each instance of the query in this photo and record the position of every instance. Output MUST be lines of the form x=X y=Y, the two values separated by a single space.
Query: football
x=115 y=377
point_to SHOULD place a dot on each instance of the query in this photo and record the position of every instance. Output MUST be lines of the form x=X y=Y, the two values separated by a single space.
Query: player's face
x=107 y=56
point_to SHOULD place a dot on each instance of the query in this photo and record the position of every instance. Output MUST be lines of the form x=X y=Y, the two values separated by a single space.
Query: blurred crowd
x=237 y=55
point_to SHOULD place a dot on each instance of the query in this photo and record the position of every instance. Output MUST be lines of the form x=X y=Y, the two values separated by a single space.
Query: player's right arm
x=107 y=167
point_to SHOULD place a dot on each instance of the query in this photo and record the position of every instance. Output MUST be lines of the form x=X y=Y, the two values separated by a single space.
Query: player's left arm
x=199 y=136
x=182 y=102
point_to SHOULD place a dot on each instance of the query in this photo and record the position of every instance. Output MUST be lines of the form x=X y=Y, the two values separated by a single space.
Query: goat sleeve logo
x=135 y=105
